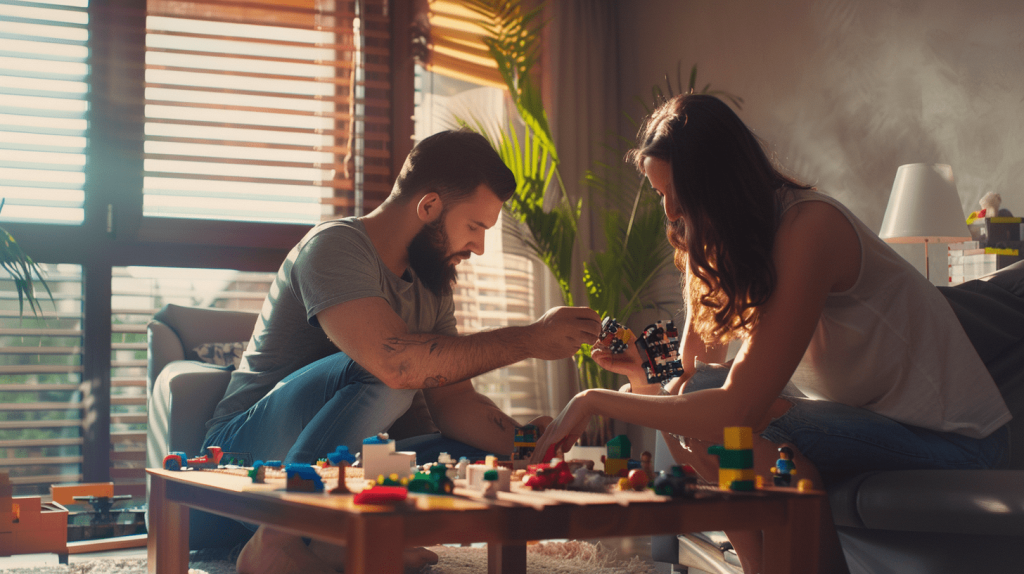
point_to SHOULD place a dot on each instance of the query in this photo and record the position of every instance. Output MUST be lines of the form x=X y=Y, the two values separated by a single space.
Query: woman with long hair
x=889 y=378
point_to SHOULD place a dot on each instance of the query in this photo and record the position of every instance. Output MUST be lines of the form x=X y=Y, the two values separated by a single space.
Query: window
x=248 y=111
x=43 y=110
x=176 y=135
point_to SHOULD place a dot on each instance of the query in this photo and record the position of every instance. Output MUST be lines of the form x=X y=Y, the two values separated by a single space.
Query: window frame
x=114 y=232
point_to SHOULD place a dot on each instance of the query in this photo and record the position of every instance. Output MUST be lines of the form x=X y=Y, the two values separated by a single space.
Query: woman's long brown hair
x=730 y=195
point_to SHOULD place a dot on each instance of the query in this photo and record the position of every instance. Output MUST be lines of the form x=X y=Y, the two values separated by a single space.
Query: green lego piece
x=619 y=447
x=728 y=458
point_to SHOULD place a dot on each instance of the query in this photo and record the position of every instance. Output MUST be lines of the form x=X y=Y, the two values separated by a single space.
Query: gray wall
x=846 y=91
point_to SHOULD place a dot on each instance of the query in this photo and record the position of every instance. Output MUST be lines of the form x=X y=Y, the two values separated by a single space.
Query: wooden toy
x=30 y=526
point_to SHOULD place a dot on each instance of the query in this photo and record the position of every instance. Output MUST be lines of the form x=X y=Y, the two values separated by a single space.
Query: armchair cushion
x=183 y=398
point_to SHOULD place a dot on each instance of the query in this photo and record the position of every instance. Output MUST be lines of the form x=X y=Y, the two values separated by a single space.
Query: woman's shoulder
x=819 y=228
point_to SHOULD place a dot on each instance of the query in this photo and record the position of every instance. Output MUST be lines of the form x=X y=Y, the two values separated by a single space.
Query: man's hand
x=560 y=332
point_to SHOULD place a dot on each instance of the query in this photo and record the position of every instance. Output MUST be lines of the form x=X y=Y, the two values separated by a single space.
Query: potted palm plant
x=617 y=280
x=22 y=270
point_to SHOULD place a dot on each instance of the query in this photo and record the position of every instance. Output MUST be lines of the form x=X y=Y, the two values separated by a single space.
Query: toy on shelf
x=735 y=459
x=621 y=336
x=30 y=526
x=990 y=207
x=784 y=469
x=92 y=514
x=179 y=460
x=302 y=478
x=676 y=482
x=380 y=459
x=659 y=347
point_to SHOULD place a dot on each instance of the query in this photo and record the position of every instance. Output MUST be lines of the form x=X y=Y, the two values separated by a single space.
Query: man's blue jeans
x=328 y=403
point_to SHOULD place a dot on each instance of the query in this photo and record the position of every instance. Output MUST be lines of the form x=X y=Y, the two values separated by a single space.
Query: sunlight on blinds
x=41 y=383
x=43 y=106
x=247 y=109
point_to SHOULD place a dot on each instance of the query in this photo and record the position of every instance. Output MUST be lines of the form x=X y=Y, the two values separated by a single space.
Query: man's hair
x=453 y=164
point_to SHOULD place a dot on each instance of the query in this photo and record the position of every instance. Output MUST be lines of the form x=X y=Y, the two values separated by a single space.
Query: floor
x=625 y=547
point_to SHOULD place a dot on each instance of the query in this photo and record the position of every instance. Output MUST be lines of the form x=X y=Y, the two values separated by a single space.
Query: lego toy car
x=541 y=476
x=434 y=482
x=679 y=481
x=179 y=460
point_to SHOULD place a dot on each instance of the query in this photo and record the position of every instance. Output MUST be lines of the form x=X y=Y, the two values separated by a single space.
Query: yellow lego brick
x=737 y=438
x=612 y=466
x=727 y=475
x=627 y=336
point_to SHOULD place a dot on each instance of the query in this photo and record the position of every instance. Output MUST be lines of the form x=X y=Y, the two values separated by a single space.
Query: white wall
x=846 y=91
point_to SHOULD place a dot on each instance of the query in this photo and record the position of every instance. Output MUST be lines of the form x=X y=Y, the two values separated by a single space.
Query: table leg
x=794 y=548
x=375 y=546
x=506 y=558
x=167 y=542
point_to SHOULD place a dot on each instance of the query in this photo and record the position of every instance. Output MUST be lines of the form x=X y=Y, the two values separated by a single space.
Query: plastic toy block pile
x=382 y=475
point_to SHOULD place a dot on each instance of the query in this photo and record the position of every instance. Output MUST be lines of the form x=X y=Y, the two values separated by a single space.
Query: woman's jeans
x=842 y=440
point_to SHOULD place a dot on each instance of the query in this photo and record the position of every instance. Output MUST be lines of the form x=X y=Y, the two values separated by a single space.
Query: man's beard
x=429 y=258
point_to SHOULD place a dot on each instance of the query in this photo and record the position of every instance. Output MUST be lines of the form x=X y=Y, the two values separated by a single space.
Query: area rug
x=572 y=557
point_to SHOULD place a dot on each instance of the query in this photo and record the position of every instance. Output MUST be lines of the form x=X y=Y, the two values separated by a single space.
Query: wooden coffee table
x=376 y=535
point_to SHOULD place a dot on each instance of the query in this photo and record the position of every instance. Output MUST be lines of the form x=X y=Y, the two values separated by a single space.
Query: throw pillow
x=222 y=354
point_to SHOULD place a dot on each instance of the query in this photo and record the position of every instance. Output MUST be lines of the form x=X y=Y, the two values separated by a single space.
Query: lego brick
x=738 y=438
x=619 y=447
x=729 y=475
x=739 y=458
x=612 y=466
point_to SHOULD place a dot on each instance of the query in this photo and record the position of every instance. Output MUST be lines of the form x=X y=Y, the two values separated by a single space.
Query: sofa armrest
x=182 y=399
x=986 y=502
x=163 y=346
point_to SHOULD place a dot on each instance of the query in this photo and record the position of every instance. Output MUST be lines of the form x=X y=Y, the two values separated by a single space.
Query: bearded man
x=357 y=336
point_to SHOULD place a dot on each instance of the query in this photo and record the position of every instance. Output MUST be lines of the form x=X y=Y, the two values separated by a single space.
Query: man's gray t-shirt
x=335 y=262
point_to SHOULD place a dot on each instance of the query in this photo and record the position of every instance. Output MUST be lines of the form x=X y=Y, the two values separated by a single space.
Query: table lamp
x=924 y=207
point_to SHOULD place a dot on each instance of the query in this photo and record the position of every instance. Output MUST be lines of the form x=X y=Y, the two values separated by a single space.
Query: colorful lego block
x=738 y=438
x=735 y=459
x=380 y=459
x=615 y=466
x=619 y=447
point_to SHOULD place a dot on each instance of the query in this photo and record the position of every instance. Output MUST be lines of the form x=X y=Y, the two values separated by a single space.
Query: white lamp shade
x=924 y=206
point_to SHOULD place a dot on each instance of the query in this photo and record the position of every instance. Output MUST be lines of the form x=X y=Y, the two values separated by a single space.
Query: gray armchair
x=183 y=393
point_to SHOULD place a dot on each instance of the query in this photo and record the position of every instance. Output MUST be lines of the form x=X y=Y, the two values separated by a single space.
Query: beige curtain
x=580 y=71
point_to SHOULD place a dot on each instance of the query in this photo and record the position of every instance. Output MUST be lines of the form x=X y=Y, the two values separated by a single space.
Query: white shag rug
x=572 y=557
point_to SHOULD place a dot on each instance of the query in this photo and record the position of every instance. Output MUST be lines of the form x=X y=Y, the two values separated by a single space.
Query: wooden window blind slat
x=255 y=110
x=43 y=105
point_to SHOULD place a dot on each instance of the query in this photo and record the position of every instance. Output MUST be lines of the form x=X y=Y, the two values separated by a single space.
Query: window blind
x=456 y=46
x=43 y=107
x=264 y=110
x=40 y=384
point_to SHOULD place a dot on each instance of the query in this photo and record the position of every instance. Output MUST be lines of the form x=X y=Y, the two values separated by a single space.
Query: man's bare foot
x=334 y=556
x=273 y=552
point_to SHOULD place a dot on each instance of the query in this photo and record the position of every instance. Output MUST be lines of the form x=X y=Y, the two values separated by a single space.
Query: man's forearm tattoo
x=499 y=420
x=432 y=382
x=399 y=344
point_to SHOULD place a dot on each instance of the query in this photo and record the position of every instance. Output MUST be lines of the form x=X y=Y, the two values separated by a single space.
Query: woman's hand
x=565 y=429
x=627 y=363
x=541 y=423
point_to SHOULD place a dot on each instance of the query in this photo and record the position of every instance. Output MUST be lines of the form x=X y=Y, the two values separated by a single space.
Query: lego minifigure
x=784 y=469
